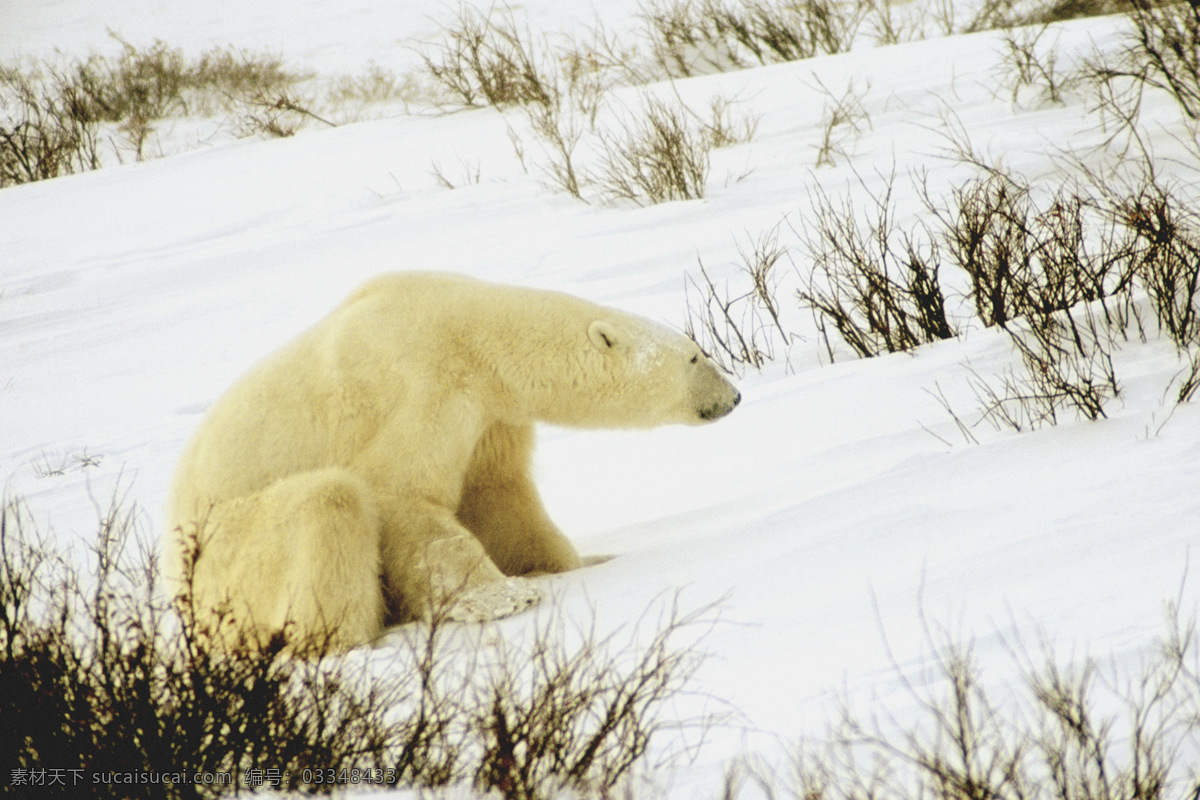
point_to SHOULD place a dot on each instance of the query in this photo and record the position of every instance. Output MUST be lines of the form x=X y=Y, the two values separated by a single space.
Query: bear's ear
x=603 y=335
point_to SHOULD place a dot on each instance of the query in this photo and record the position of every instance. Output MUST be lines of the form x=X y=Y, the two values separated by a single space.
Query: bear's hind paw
x=493 y=600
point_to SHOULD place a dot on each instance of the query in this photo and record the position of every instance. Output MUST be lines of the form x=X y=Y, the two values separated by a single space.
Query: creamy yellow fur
x=378 y=466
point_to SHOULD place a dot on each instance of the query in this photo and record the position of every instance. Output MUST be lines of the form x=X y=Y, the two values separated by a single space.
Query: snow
x=830 y=514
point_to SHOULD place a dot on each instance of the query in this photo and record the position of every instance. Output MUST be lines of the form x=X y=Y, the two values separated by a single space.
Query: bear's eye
x=695 y=359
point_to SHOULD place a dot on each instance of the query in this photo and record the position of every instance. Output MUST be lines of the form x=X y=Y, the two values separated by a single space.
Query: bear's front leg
x=501 y=506
x=435 y=568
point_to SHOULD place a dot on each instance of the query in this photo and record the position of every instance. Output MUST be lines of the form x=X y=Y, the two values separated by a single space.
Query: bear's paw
x=493 y=600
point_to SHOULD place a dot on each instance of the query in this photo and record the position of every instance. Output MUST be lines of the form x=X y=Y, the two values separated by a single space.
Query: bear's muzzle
x=718 y=410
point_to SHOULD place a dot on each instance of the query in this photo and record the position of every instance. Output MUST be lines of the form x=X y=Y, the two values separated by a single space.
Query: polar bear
x=377 y=468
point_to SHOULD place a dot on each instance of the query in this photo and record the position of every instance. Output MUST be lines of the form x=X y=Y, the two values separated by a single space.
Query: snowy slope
x=825 y=511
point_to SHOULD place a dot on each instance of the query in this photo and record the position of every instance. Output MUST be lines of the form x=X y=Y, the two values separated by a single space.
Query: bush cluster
x=1059 y=275
x=1163 y=51
x=101 y=678
x=1059 y=271
x=688 y=37
x=655 y=152
x=1077 y=730
x=48 y=128
x=878 y=288
x=52 y=117
x=485 y=58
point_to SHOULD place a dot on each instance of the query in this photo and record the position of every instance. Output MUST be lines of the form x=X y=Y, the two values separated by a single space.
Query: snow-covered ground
x=832 y=510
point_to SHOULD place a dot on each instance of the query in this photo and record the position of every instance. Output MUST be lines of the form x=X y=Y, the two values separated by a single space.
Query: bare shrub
x=985 y=16
x=738 y=329
x=1006 y=14
x=1058 y=277
x=1165 y=49
x=893 y=22
x=1076 y=730
x=45 y=466
x=1189 y=378
x=1067 y=363
x=554 y=717
x=559 y=130
x=471 y=174
x=656 y=153
x=842 y=120
x=1162 y=51
x=277 y=114
x=1023 y=257
x=597 y=52
x=1062 y=10
x=148 y=83
x=723 y=128
x=691 y=36
x=885 y=26
x=876 y=286
x=222 y=74
x=986 y=237
x=564 y=115
x=655 y=157
x=1166 y=256
x=51 y=116
x=46 y=127
x=99 y=675
x=1023 y=63
x=760 y=257
x=376 y=84
x=787 y=31
x=990 y=15
x=159 y=81
x=683 y=40
x=485 y=58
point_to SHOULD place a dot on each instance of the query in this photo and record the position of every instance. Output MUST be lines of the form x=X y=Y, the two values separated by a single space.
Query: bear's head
x=656 y=376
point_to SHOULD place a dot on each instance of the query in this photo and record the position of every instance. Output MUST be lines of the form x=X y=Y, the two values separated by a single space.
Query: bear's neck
x=542 y=366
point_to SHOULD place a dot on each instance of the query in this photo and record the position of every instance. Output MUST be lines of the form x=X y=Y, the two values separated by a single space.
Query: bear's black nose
x=737 y=398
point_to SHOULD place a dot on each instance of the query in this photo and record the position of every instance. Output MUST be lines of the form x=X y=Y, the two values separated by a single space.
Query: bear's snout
x=720 y=408
x=712 y=395
x=715 y=412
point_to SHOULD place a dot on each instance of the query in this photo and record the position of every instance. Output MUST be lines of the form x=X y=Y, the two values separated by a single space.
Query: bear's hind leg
x=300 y=557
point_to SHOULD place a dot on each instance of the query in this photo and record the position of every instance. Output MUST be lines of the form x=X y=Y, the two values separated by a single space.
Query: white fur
x=377 y=468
